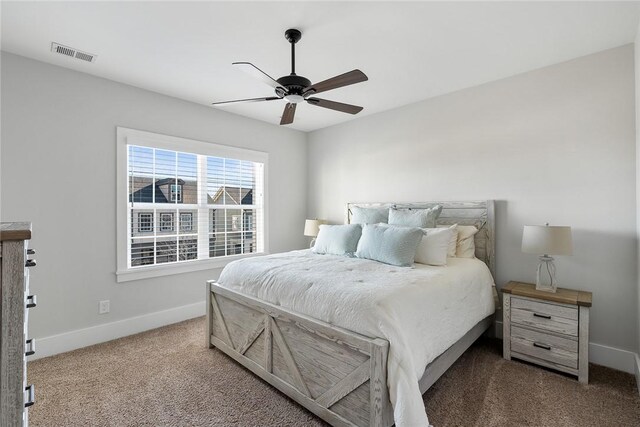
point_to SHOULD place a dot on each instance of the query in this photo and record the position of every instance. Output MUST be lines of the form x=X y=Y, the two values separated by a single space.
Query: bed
x=336 y=359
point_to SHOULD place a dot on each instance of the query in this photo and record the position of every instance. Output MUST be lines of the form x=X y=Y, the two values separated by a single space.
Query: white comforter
x=420 y=310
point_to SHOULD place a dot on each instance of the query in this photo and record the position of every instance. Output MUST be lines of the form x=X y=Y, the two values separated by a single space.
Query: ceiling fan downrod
x=294 y=37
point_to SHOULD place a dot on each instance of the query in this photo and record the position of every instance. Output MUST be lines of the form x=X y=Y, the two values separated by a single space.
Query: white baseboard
x=611 y=357
x=48 y=346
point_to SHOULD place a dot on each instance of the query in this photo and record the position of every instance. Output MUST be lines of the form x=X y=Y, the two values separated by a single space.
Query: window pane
x=188 y=178
x=232 y=181
x=248 y=231
x=188 y=221
x=234 y=243
x=233 y=220
x=166 y=223
x=165 y=175
x=140 y=172
x=215 y=180
x=247 y=182
x=217 y=245
x=187 y=248
x=166 y=250
x=142 y=252
x=141 y=222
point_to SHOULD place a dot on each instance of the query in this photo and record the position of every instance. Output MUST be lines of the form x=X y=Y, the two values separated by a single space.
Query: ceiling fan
x=295 y=89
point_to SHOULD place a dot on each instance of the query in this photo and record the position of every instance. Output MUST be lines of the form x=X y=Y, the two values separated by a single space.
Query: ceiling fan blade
x=333 y=105
x=257 y=73
x=346 y=79
x=288 y=113
x=269 y=98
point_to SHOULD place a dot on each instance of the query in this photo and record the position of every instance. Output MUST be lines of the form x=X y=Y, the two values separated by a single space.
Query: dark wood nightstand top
x=564 y=296
x=15 y=231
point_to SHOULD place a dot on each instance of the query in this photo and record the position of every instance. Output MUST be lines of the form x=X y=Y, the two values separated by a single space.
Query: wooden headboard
x=479 y=213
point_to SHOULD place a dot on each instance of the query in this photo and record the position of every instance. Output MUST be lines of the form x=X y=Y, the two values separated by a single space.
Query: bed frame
x=339 y=375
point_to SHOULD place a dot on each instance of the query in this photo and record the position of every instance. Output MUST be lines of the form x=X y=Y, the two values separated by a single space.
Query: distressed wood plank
x=251 y=338
x=289 y=360
x=15 y=231
x=583 y=346
x=380 y=407
x=221 y=322
x=330 y=416
x=345 y=386
x=268 y=345
x=332 y=333
x=506 y=326
x=356 y=406
x=12 y=333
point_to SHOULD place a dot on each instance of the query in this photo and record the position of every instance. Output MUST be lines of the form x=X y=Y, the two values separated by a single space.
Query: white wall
x=555 y=144
x=59 y=171
x=637 y=92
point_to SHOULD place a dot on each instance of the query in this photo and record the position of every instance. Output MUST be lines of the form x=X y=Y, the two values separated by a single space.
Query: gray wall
x=59 y=171
x=555 y=144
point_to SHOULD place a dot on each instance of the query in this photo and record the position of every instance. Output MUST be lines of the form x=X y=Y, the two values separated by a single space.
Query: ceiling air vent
x=73 y=53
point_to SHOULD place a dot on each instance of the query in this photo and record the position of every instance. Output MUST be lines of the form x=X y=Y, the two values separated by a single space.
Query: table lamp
x=312 y=228
x=546 y=240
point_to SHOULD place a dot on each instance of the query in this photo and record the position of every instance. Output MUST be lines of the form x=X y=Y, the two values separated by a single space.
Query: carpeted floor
x=167 y=377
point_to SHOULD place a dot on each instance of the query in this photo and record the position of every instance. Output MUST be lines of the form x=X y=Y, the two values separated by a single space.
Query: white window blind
x=191 y=206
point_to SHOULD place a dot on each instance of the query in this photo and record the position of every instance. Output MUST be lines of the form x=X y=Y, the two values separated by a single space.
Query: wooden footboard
x=337 y=374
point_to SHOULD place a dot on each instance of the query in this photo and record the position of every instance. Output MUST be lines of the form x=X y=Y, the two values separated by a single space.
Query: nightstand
x=548 y=329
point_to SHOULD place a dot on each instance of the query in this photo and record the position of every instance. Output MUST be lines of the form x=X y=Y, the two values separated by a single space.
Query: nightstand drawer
x=550 y=317
x=558 y=350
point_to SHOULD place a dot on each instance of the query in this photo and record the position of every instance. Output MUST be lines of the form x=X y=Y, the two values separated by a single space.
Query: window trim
x=161 y=222
x=146 y=214
x=125 y=136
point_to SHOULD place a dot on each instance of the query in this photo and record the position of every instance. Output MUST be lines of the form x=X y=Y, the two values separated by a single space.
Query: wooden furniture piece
x=549 y=329
x=15 y=395
x=339 y=375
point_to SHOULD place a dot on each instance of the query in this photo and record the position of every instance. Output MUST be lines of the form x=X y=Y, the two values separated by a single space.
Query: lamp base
x=546 y=275
x=313 y=242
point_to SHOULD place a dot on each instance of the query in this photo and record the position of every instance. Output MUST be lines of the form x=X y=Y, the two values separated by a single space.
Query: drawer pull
x=30 y=347
x=30 y=263
x=31 y=395
x=544 y=316
x=31 y=251
x=31 y=301
x=543 y=346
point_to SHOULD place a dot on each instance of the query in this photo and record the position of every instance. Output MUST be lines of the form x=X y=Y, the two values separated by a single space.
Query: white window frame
x=126 y=137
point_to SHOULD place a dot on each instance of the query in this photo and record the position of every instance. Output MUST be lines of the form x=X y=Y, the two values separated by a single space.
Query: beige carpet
x=167 y=377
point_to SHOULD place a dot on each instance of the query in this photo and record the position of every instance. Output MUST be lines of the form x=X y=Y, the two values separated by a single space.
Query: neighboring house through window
x=171 y=185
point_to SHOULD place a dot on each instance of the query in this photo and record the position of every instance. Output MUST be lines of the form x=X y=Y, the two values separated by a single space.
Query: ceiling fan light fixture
x=294 y=99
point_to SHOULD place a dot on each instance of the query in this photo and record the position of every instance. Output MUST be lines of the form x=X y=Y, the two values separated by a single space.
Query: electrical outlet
x=104 y=307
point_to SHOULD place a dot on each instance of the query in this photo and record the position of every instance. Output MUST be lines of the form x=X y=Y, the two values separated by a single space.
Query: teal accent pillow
x=388 y=244
x=337 y=239
x=422 y=218
x=369 y=215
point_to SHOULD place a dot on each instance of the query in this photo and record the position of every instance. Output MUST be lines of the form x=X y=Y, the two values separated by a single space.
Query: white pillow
x=466 y=246
x=453 y=243
x=434 y=246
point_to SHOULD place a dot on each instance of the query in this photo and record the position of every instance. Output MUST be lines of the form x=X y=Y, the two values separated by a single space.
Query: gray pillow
x=388 y=244
x=423 y=218
x=369 y=215
x=337 y=239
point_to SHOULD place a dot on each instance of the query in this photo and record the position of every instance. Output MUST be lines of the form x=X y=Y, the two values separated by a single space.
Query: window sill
x=178 y=268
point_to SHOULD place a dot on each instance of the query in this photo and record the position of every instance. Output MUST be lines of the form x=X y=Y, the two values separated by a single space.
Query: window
x=186 y=205
x=176 y=193
x=166 y=221
x=186 y=221
x=145 y=222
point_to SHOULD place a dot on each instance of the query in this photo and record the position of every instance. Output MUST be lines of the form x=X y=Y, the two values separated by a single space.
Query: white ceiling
x=410 y=51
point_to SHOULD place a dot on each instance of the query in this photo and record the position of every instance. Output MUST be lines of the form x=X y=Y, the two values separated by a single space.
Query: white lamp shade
x=312 y=227
x=547 y=240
